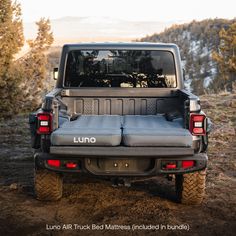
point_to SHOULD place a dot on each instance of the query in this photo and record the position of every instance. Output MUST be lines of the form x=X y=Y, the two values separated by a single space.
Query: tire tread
x=190 y=187
x=48 y=185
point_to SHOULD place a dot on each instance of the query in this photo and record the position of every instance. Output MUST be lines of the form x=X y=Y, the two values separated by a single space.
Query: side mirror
x=55 y=73
x=184 y=74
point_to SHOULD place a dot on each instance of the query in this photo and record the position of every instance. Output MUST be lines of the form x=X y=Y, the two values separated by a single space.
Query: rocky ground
x=90 y=201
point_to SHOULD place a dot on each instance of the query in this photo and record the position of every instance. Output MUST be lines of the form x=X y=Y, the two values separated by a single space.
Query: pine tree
x=226 y=56
x=11 y=41
x=35 y=65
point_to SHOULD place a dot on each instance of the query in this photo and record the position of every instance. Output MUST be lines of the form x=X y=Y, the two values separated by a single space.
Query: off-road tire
x=48 y=185
x=190 y=188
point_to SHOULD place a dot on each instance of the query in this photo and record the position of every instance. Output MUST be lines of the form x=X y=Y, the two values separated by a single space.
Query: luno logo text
x=84 y=140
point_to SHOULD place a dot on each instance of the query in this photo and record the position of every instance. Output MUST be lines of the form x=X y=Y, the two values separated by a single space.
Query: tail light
x=197 y=124
x=54 y=163
x=177 y=165
x=187 y=164
x=44 y=123
x=71 y=165
x=169 y=165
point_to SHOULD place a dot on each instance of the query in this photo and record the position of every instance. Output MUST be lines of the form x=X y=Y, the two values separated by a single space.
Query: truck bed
x=127 y=130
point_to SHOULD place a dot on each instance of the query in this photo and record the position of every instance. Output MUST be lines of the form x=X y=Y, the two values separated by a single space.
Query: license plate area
x=119 y=165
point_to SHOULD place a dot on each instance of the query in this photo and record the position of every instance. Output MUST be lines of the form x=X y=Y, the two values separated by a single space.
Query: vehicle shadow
x=156 y=186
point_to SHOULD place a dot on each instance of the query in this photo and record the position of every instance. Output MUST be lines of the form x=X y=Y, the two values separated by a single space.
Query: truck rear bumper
x=122 y=161
x=121 y=151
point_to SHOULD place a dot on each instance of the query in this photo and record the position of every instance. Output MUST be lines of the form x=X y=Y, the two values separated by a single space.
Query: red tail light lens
x=171 y=166
x=44 y=123
x=54 y=163
x=71 y=165
x=187 y=164
x=197 y=124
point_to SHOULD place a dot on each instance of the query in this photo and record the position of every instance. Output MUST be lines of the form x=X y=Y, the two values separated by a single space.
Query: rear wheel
x=48 y=185
x=190 y=188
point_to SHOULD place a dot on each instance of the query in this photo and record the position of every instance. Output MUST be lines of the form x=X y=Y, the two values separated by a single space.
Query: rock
x=13 y=186
x=227 y=103
x=205 y=104
x=230 y=103
x=233 y=103
x=224 y=130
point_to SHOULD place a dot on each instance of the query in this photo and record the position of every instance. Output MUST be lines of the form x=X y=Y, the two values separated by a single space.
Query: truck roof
x=123 y=45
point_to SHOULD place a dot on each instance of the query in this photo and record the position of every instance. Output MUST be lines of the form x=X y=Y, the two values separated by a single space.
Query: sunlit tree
x=11 y=41
x=35 y=63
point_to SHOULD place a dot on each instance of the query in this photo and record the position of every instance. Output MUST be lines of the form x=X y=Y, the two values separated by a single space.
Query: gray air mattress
x=129 y=130
x=155 y=130
x=102 y=130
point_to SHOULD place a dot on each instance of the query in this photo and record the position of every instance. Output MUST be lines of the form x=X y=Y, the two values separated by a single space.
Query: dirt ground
x=92 y=203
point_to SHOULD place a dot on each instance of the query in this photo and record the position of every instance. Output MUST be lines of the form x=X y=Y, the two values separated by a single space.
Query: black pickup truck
x=120 y=110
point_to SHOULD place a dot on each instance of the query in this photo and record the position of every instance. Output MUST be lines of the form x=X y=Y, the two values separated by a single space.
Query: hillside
x=196 y=40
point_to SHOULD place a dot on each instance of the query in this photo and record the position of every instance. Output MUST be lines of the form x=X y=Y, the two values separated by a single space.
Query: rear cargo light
x=71 y=165
x=54 y=163
x=187 y=164
x=44 y=123
x=197 y=124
